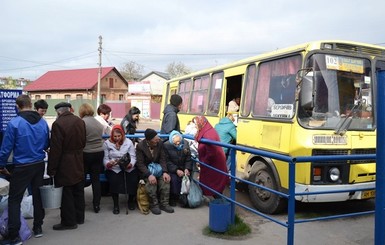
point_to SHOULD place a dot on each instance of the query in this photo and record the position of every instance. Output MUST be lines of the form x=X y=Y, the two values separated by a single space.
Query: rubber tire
x=263 y=200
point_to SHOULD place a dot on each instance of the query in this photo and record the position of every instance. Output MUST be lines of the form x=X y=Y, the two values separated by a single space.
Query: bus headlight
x=334 y=174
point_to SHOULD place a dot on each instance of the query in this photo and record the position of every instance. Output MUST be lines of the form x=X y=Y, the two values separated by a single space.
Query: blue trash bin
x=219 y=215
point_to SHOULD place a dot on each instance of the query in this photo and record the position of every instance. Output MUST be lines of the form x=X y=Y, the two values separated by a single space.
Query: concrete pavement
x=185 y=226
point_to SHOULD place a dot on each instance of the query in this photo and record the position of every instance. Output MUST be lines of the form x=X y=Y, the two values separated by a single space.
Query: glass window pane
x=249 y=90
x=215 y=93
x=276 y=85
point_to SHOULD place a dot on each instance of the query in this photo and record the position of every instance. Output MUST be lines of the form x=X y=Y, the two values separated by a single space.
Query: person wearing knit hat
x=151 y=161
x=170 y=119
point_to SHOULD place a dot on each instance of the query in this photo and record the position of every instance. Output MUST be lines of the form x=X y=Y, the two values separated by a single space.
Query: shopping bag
x=25 y=232
x=185 y=185
x=142 y=198
x=155 y=169
x=195 y=195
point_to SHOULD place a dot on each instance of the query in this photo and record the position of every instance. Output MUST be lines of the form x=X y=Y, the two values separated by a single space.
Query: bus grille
x=320 y=152
x=359 y=49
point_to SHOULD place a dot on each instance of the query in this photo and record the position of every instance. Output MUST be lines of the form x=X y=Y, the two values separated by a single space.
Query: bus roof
x=342 y=45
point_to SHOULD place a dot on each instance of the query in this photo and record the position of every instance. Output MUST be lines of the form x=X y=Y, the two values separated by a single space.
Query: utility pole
x=99 y=72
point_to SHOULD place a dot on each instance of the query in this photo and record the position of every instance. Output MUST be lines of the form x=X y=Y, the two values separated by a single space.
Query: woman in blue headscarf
x=178 y=163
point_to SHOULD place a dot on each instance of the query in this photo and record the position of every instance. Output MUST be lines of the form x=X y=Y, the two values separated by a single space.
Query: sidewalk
x=185 y=227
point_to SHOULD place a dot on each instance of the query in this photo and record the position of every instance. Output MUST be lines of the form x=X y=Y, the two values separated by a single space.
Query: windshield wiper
x=341 y=129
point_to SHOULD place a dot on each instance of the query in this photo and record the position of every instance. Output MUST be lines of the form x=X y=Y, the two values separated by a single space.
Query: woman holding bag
x=178 y=163
x=123 y=178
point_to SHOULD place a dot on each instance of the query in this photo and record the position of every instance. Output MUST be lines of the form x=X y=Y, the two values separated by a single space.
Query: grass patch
x=238 y=230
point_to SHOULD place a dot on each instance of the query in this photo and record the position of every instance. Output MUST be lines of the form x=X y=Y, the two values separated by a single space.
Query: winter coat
x=144 y=157
x=214 y=156
x=170 y=120
x=65 y=159
x=178 y=159
x=227 y=132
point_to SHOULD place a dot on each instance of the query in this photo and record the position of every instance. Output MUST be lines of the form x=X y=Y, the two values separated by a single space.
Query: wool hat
x=62 y=104
x=150 y=134
x=176 y=100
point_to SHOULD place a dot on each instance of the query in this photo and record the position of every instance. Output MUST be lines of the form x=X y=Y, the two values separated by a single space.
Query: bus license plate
x=368 y=194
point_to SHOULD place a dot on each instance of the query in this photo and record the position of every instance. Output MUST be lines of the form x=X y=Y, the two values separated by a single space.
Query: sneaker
x=16 y=241
x=37 y=231
x=167 y=209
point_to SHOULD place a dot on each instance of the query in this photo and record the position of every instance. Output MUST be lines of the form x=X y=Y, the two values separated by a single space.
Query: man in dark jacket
x=150 y=150
x=170 y=119
x=65 y=164
x=27 y=135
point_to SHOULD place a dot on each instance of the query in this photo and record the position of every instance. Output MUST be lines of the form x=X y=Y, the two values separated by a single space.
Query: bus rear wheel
x=263 y=200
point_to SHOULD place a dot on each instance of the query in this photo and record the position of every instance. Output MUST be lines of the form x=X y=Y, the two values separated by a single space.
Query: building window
x=111 y=80
x=47 y=97
x=37 y=97
x=121 y=96
x=79 y=96
x=67 y=96
x=104 y=97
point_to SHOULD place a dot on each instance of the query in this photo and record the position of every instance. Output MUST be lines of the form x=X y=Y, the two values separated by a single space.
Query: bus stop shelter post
x=379 y=225
x=232 y=184
x=291 y=204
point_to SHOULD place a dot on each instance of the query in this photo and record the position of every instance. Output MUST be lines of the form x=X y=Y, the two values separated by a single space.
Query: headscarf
x=200 y=122
x=171 y=137
x=120 y=129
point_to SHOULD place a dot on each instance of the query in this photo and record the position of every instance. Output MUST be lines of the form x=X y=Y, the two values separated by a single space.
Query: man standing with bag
x=27 y=135
x=65 y=164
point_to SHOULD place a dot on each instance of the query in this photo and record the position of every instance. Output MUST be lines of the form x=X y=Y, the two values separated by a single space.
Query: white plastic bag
x=185 y=185
x=27 y=207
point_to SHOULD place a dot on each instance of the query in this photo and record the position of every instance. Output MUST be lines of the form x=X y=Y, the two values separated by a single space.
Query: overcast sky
x=43 y=35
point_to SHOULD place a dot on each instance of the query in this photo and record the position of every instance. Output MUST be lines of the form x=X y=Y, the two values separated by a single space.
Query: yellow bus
x=313 y=99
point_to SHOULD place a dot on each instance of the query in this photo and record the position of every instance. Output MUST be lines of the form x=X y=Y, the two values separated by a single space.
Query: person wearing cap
x=148 y=151
x=27 y=136
x=170 y=119
x=65 y=164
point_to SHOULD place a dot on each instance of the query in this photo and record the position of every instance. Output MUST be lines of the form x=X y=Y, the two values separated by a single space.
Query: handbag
x=195 y=195
x=155 y=169
x=124 y=161
x=25 y=232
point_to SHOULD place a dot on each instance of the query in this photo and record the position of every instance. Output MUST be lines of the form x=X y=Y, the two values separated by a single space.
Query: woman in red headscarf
x=212 y=155
x=117 y=172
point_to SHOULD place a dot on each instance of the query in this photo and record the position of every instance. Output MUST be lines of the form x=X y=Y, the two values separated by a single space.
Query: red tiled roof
x=79 y=79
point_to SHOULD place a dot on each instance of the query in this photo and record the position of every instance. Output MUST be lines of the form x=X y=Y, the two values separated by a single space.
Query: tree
x=177 y=69
x=132 y=71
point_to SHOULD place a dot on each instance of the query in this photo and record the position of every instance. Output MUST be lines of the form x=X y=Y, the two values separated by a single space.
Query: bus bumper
x=335 y=197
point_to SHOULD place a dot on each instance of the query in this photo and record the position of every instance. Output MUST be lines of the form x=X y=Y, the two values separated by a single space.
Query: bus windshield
x=342 y=94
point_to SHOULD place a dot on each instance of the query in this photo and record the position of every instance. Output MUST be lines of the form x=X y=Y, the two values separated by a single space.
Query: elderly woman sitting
x=178 y=163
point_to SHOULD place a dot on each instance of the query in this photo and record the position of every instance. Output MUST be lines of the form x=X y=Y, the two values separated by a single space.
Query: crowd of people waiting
x=75 y=148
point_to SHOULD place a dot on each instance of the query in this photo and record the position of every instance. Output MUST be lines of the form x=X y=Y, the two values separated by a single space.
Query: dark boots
x=115 y=198
x=154 y=205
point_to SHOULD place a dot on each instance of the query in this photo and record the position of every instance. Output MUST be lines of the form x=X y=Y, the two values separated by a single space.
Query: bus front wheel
x=264 y=200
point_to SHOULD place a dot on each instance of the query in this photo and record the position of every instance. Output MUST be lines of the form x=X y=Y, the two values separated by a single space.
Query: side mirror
x=306 y=95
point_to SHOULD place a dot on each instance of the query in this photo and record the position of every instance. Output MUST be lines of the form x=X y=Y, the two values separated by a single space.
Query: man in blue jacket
x=27 y=135
x=227 y=133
